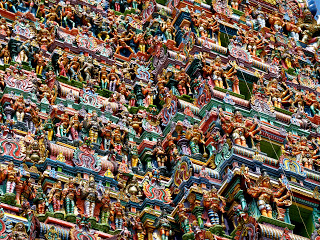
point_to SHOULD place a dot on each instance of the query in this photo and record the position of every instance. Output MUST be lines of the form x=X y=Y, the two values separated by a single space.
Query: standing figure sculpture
x=89 y=194
x=184 y=218
x=183 y=80
x=304 y=153
x=160 y=154
x=68 y=195
x=11 y=175
x=105 y=208
x=196 y=138
x=215 y=204
x=55 y=197
x=118 y=215
x=241 y=129
x=19 y=107
x=139 y=228
x=163 y=224
x=92 y=123
x=74 y=126
x=113 y=79
x=266 y=195
x=218 y=73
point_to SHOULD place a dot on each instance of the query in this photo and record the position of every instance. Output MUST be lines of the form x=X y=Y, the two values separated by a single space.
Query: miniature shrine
x=159 y=120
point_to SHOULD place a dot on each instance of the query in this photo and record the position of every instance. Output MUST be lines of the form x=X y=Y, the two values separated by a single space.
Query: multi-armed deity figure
x=304 y=152
x=40 y=200
x=241 y=129
x=264 y=192
x=183 y=81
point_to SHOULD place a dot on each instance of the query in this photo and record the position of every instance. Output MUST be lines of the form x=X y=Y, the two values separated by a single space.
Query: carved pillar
x=286 y=216
x=239 y=196
x=149 y=233
x=197 y=211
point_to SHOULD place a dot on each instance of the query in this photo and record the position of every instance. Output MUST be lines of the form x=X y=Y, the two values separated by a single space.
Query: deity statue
x=241 y=129
x=183 y=80
x=196 y=138
x=52 y=15
x=304 y=153
x=168 y=29
x=163 y=224
x=4 y=28
x=106 y=135
x=5 y=55
x=55 y=197
x=139 y=228
x=136 y=125
x=103 y=77
x=105 y=208
x=40 y=61
x=141 y=41
x=87 y=69
x=113 y=79
x=308 y=26
x=184 y=218
x=44 y=38
x=276 y=22
x=293 y=29
x=46 y=92
x=11 y=175
x=160 y=154
x=274 y=93
x=49 y=127
x=24 y=191
x=89 y=193
x=74 y=126
x=148 y=92
x=264 y=192
x=117 y=140
x=63 y=64
x=40 y=199
x=215 y=203
x=218 y=73
x=74 y=68
x=19 y=232
x=68 y=195
x=19 y=107
x=92 y=123
x=134 y=155
x=118 y=215
x=128 y=71
x=68 y=16
x=232 y=79
x=36 y=151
